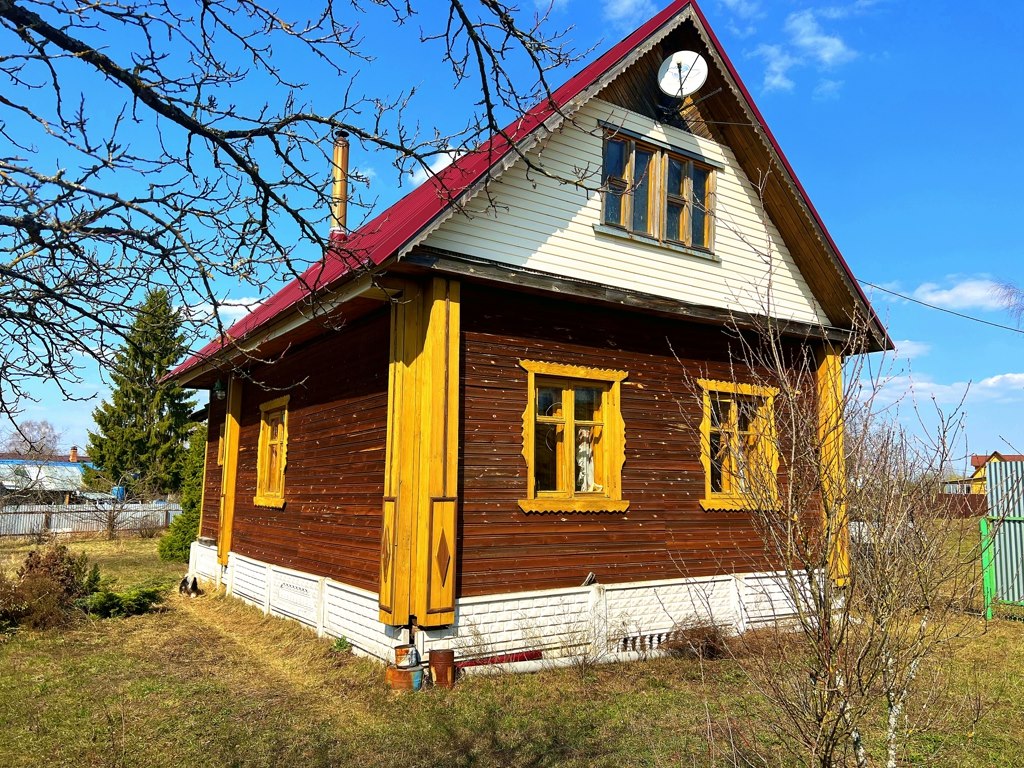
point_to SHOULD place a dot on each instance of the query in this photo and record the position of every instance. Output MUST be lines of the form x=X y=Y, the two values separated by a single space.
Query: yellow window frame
x=763 y=466
x=613 y=454
x=270 y=489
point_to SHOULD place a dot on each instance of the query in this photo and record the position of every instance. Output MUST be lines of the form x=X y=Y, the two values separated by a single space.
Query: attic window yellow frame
x=738 y=446
x=603 y=427
x=272 y=453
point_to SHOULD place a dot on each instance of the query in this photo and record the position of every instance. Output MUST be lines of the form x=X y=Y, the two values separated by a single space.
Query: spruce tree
x=141 y=431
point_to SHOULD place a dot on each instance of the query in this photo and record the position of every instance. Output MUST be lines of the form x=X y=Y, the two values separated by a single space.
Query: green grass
x=212 y=682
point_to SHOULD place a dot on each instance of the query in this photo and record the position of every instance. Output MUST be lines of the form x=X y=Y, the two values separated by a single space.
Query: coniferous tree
x=141 y=431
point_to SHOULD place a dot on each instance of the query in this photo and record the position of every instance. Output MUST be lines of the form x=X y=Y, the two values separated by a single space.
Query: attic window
x=654 y=192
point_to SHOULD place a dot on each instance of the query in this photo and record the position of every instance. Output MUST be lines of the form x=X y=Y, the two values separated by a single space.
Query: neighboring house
x=42 y=479
x=501 y=443
x=980 y=462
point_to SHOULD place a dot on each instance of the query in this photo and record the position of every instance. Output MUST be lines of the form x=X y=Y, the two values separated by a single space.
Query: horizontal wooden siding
x=665 y=533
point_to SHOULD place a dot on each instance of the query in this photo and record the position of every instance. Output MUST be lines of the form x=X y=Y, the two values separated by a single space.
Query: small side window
x=738 y=446
x=272 y=453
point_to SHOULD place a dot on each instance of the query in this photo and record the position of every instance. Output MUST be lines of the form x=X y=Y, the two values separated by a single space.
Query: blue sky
x=901 y=120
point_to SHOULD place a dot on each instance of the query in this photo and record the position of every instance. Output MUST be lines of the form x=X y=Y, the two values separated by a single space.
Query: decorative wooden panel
x=387 y=560
x=422 y=451
x=440 y=585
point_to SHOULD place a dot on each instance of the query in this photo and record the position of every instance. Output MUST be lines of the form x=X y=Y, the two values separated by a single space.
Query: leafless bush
x=868 y=622
x=706 y=641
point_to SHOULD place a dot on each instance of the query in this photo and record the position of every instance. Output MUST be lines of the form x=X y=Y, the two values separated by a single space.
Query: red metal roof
x=980 y=460
x=379 y=239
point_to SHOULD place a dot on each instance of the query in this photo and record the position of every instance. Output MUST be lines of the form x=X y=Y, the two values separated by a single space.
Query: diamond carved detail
x=385 y=554
x=443 y=558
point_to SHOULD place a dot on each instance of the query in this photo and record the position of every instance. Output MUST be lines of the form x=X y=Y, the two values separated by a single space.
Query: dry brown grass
x=212 y=681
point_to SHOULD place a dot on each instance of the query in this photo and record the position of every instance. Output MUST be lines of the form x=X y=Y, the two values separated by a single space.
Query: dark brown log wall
x=665 y=533
x=334 y=481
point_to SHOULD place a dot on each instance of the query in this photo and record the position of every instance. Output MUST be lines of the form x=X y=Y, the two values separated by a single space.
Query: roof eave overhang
x=239 y=352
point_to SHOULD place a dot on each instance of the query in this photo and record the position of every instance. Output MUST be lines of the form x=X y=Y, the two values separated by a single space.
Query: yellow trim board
x=229 y=471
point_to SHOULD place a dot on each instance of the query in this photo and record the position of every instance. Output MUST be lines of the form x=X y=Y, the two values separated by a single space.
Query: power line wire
x=941 y=309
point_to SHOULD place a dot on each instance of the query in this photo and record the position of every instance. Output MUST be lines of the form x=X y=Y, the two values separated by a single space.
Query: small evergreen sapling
x=174 y=545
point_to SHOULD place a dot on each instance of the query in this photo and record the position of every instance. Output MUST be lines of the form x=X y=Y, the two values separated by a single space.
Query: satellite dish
x=682 y=73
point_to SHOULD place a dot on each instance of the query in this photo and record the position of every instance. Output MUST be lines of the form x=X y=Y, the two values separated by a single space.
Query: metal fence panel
x=33 y=519
x=1003 y=534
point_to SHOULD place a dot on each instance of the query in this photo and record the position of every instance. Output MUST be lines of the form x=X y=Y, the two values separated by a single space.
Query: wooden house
x=482 y=439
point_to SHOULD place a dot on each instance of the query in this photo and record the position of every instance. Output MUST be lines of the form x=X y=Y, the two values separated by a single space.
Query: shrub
x=183 y=530
x=132 y=602
x=697 y=641
x=70 y=575
x=45 y=592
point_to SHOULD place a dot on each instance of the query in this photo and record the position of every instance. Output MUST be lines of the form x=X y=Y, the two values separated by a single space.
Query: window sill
x=548 y=506
x=623 y=234
x=734 y=504
x=276 y=502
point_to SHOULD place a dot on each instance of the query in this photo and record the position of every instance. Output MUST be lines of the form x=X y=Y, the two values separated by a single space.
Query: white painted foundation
x=600 y=623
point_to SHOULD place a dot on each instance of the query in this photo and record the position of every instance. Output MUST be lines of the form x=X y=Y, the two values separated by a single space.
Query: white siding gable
x=541 y=224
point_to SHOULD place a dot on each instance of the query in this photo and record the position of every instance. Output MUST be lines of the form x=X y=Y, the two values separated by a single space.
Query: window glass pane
x=588 y=404
x=613 y=207
x=641 y=191
x=614 y=159
x=545 y=456
x=717 y=459
x=549 y=402
x=673 y=222
x=747 y=413
x=699 y=207
x=587 y=455
x=676 y=170
x=719 y=411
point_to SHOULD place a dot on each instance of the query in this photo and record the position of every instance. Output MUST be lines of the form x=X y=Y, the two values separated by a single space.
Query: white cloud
x=919 y=390
x=828 y=89
x=743 y=14
x=908 y=348
x=778 y=62
x=437 y=165
x=548 y=6
x=230 y=310
x=628 y=13
x=808 y=36
x=850 y=9
x=969 y=293
x=745 y=9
